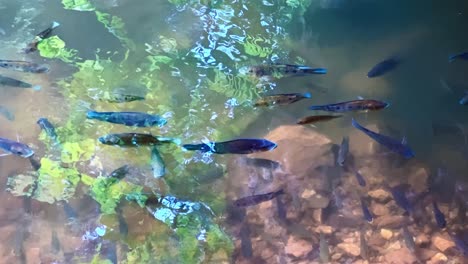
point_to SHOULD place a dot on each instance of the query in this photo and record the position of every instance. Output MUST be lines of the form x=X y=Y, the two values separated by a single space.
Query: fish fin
x=316 y=107
x=316 y=71
x=55 y=24
x=452 y=58
x=307 y=95
x=360 y=97
x=404 y=140
x=91 y=114
x=5 y=154
x=191 y=146
x=36 y=87
x=355 y=123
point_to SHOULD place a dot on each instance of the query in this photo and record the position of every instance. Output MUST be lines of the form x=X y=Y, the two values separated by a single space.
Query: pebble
x=379 y=209
x=380 y=195
x=324 y=229
x=385 y=233
x=417 y=179
x=307 y=194
x=400 y=256
x=442 y=243
x=438 y=258
x=422 y=240
x=350 y=248
x=426 y=254
x=336 y=256
x=297 y=247
x=389 y=221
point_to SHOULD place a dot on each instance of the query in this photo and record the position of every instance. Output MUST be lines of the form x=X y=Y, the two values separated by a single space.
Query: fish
x=462 y=56
x=135 y=140
x=439 y=216
x=464 y=99
x=123 y=226
x=55 y=242
x=7 y=113
x=281 y=209
x=119 y=97
x=157 y=163
x=398 y=193
x=365 y=211
x=7 y=81
x=383 y=67
x=15 y=148
x=128 y=118
x=39 y=37
x=282 y=70
x=364 y=249
x=316 y=118
x=48 y=128
x=460 y=242
x=120 y=172
x=409 y=240
x=281 y=99
x=263 y=163
x=354 y=105
x=343 y=152
x=256 y=199
x=35 y=163
x=24 y=66
x=393 y=145
x=360 y=179
x=323 y=249
x=236 y=146
x=246 y=243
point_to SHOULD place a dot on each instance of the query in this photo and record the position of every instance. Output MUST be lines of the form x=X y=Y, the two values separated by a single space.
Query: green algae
x=116 y=27
x=258 y=46
x=78 y=5
x=54 y=48
x=78 y=151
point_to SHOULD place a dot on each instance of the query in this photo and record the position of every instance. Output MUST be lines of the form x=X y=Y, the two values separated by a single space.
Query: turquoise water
x=187 y=56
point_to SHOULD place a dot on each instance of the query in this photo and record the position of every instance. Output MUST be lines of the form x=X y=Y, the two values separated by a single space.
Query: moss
x=217 y=239
x=78 y=151
x=54 y=47
x=78 y=5
x=257 y=46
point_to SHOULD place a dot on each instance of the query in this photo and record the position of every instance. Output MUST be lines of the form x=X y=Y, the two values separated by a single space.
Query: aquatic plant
x=234 y=86
x=78 y=5
x=54 y=47
x=257 y=46
x=116 y=27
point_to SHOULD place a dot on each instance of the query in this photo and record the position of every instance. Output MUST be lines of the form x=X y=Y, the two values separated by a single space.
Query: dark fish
x=39 y=37
x=256 y=199
x=263 y=163
x=123 y=226
x=460 y=243
x=343 y=151
x=323 y=249
x=236 y=146
x=157 y=163
x=281 y=99
x=47 y=127
x=360 y=179
x=398 y=193
x=7 y=113
x=365 y=211
x=383 y=67
x=464 y=99
x=36 y=164
x=24 y=66
x=55 y=243
x=409 y=240
x=439 y=216
x=7 y=81
x=316 y=118
x=128 y=118
x=355 y=105
x=394 y=145
x=363 y=244
x=282 y=214
x=120 y=173
x=246 y=243
x=462 y=56
x=15 y=148
x=283 y=70
x=117 y=97
x=135 y=140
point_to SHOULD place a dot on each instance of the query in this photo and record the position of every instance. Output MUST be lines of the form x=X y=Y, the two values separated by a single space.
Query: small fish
x=398 y=193
x=7 y=81
x=135 y=140
x=236 y=146
x=263 y=163
x=39 y=37
x=383 y=67
x=439 y=216
x=316 y=118
x=157 y=163
x=409 y=240
x=464 y=99
x=460 y=243
x=24 y=66
x=7 y=113
x=120 y=173
x=15 y=148
x=343 y=152
x=256 y=199
x=462 y=56
x=283 y=70
x=55 y=243
x=119 y=97
x=323 y=249
x=360 y=179
x=246 y=243
x=365 y=211
x=48 y=128
x=128 y=118
x=392 y=144
x=281 y=99
x=363 y=245
x=355 y=105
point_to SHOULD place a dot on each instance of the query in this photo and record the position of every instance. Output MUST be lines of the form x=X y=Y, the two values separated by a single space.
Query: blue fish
x=460 y=242
x=398 y=193
x=360 y=179
x=464 y=99
x=394 y=145
x=463 y=56
x=237 y=146
x=439 y=216
x=7 y=81
x=128 y=118
x=47 y=127
x=365 y=211
x=349 y=106
x=383 y=67
x=15 y=148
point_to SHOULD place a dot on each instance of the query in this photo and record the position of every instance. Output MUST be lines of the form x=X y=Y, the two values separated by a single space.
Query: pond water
x=188 y=60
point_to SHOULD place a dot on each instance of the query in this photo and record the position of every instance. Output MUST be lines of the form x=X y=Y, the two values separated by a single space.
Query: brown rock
x=379 y=209
x=380 y=195
x=376 y=241
x=400 y=256
x=324 y=229
x=418 y=178
x=389 y=221
x=386 y=234
x=350 y=248
x=422 y=240
x=442 y=243
x=336 y=256
x=297 y=247
x=426 y=254
x=438 y=258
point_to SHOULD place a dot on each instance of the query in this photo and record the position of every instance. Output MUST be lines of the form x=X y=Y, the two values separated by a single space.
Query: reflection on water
x=187 y=59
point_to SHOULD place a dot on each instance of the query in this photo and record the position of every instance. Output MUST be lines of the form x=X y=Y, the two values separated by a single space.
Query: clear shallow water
x=193 y=82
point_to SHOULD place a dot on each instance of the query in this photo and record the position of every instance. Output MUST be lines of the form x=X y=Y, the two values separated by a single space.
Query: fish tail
x=316 y=71
x=92 y=114
x=316 y=107
x=55 y=24
x=307 y=95
x=356 y=124
x=176 y=141
x=192 y=146
x=279 y=192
